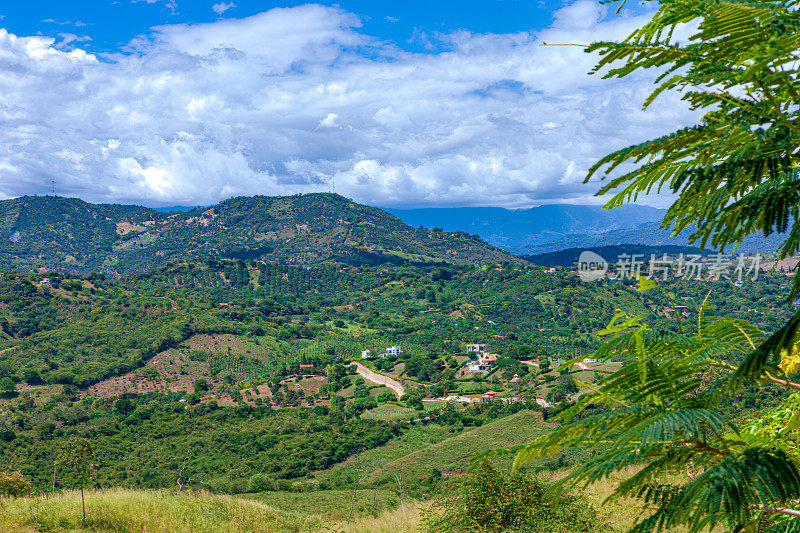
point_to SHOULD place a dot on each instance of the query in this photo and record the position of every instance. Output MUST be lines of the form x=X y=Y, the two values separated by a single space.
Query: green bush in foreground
x=14 y=485
x=491 y=500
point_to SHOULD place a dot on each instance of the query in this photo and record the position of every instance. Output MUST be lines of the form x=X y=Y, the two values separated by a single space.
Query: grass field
x=121 y=510
x=416 y=438
x=454 y=453
x=389 y=411
x=156 y=512
x=330 y=504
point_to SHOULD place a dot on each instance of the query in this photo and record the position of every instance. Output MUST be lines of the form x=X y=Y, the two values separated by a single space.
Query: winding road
x=380 y=379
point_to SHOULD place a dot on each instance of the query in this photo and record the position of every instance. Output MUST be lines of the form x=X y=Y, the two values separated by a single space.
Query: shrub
x=490 y=500
x=8 y=389
x=32 y=377
x=7 y=434
x=386 y=396
x=14 y=485
x=124 y=406
x=201 y=385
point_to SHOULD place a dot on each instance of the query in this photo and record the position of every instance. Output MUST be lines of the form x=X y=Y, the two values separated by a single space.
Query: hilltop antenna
x=53 y=182
x=333 y=186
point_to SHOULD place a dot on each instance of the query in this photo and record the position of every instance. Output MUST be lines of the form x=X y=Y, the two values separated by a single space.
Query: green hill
x=54 y=233
x=453 y=454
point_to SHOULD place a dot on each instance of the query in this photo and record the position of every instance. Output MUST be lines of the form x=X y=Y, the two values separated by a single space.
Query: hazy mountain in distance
x=523 y=230
x=177 y=208
x=649 y=234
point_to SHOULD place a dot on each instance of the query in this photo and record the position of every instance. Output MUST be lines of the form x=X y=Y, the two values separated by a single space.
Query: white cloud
x=67 y=38
x=172 y=5
x=77 y=24
x=329 y=121
x=287 y=100
x=222 y=7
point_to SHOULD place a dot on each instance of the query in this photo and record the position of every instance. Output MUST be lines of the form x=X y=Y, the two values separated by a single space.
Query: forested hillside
x=67 y=234
x=250 y=375
x=82 y=330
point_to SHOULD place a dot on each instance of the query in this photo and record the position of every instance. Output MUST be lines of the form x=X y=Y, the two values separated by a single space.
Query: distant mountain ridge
x=521 y=230
x=650 y=234
x=55 y=233
x=554 y=228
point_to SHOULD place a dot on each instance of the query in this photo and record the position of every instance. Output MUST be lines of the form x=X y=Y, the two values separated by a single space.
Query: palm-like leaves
x=736 y=171
x=661 y=415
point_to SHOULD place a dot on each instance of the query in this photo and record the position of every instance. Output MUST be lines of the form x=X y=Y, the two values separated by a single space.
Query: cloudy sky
x=172 y=102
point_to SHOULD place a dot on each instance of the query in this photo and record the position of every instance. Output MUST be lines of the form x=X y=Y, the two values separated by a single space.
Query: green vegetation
x=145 y=442
x=666 y=413
x=453 y=455
x=214 y=347
x=45 y=232
x=128 y=510
x=493 y=501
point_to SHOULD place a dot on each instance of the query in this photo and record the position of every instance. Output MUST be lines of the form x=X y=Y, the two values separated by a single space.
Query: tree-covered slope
x=82 y=330
x=53 y=233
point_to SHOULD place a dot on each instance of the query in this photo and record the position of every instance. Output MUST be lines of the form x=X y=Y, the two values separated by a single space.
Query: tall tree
x=75 y=460
x=735 y=173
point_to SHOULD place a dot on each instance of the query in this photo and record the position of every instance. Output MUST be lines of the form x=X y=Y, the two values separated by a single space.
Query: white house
x=477 y=348
x=365 y=354
x=393 y=351
x=484 y=362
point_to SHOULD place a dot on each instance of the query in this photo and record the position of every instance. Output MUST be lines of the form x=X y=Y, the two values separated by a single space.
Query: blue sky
x=401 y=104
x=111 y=25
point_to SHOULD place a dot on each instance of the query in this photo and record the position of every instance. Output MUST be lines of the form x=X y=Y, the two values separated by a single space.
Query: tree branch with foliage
x=735 y=173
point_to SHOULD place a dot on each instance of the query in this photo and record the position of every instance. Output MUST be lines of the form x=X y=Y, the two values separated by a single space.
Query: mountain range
x=553 y=228
x=520 y=231
x=55 y=233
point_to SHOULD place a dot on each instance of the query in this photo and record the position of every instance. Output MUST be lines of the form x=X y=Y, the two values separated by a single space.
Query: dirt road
x=380 y=379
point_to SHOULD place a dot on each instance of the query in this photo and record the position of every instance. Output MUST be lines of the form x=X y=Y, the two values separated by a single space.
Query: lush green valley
x=193 y=369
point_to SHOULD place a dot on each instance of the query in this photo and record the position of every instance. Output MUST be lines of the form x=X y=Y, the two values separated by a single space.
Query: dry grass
x=619 y=515
x=622 y=514
x=122 y=510
x=398 y=520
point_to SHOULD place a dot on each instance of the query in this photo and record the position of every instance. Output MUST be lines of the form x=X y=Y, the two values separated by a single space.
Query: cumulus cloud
x=288 y=100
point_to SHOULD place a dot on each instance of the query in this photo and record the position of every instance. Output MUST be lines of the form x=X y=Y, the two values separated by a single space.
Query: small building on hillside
x=306 y=370
x=477 y=348
x=394 y=351
x=483 y=363
x=366 y=354
x=488 y=396
x=678 y=309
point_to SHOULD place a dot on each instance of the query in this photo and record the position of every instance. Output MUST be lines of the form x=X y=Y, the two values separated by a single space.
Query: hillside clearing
x=452 y=455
